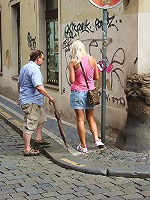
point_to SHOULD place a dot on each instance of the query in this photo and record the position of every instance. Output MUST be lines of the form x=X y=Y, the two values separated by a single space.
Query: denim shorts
x=78 y=100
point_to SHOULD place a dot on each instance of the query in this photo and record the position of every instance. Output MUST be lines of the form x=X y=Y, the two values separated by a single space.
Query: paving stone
x=50 y=194
x=133 y=196
x=143 y=188
x=96 y=197
x=82 y=193
x=66 y=191
x=130 y=190
x=2 y=184
x=113 y=194
x=19 y=198
x=35 y=197
x=65 y=196
x=17 y=177
x=114 y=188
x=29 y=187
x=78 y=189
x=79 y=198
x=115 y=198
x=52 y=198
x=34 y=192
x=7 y=192
x=13 y=182
x=44 y=186
x=18 y=194
x=2 y=197
x=39 y=178
x=127 y=185
x=98 y=191
x=6 y=187
x=145 y=193
x=141 y=182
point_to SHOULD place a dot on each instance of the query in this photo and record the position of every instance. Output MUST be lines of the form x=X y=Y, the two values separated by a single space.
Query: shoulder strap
x=84 y=76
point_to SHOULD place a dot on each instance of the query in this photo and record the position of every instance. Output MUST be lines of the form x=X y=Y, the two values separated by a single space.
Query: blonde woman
x=78 y=96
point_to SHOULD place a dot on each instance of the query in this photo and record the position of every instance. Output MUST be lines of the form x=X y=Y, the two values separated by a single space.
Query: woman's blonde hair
x=77 y=50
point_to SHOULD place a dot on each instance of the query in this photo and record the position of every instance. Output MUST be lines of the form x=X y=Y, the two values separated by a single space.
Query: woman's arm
x=94 y=64
x=71 y=72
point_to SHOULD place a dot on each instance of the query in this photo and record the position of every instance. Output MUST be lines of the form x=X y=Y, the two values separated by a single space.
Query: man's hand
x=51 y=100
x=18 y=102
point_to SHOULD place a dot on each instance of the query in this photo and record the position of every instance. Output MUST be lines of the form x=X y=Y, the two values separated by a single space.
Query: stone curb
x=59 y=155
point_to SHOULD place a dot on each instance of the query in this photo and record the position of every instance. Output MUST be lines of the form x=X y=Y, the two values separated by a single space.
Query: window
x=0 y=46
x=52 y=42
x=16 y=37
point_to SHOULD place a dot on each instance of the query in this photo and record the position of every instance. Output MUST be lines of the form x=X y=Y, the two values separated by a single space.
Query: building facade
x=52 y=25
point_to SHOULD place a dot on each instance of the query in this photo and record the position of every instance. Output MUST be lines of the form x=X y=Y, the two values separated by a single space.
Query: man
x=31 y=96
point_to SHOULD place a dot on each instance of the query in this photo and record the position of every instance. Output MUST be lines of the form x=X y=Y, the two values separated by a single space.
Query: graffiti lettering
x=73 y=30
x=119 y=101
x=31 y=42
x=110 y=22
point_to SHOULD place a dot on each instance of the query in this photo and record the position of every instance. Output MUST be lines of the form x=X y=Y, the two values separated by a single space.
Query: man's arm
x=45 y=93
x=18 y=87
x=18 y=94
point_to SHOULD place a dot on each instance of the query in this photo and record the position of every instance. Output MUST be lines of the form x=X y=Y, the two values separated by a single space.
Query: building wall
x=143 y=37
x=85 y=23
x=79 y=20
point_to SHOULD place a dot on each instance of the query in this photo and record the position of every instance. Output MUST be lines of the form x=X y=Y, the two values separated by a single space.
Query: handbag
x=92 y=95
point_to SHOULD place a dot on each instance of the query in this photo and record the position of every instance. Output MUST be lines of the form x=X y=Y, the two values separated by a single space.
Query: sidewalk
x=108 y=161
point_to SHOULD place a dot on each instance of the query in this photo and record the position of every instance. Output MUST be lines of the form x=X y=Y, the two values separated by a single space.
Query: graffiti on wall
x=31 y=41
x=115 y=75
x=115 y=100
x=74 y=31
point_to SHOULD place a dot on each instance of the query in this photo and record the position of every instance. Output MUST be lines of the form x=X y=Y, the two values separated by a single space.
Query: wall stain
x=8 y=59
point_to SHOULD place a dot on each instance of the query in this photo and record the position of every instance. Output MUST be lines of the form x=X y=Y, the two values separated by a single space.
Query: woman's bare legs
x=80 y=126
x=92 y=123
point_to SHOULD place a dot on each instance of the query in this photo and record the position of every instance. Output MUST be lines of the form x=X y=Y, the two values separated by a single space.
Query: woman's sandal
x=32 y=152
x=41 y=142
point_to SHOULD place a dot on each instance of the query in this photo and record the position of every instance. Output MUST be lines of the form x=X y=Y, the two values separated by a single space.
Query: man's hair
x=35 y=54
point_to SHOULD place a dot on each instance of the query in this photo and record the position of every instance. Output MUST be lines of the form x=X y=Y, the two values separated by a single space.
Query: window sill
x=54 y=87
x=15 y=78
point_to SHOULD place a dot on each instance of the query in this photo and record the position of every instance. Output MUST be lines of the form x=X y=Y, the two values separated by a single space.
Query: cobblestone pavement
x=33 y=178
x=115 y=161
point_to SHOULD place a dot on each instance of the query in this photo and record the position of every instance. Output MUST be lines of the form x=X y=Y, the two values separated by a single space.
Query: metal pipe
x=104 y=59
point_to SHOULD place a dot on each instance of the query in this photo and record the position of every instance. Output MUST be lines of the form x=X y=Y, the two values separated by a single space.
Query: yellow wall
x=144 y=6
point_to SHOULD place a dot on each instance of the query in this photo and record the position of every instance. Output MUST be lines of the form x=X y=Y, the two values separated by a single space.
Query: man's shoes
x=41 y=142
x=32 y=152
x=82 y=149
x=99 y=143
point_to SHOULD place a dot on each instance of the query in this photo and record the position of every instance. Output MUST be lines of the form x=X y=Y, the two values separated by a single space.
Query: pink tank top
x=79 y=83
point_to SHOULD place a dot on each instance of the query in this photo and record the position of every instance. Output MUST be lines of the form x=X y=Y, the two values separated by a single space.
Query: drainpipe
x=104 y=59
